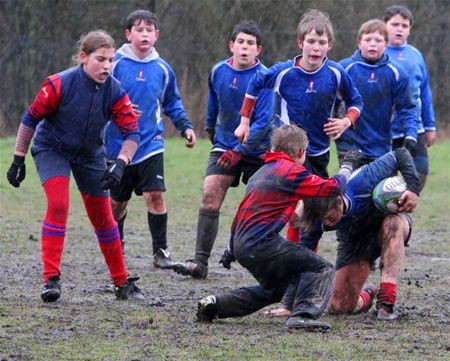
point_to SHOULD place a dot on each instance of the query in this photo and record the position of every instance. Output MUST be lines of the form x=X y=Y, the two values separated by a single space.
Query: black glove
x=17 y=171
x=411 y=145
x=211 y=133
x=113 y=174
x=227 y=258
x=352 y=159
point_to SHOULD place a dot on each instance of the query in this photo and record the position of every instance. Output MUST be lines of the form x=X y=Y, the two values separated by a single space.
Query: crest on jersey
x=372 y=78
x=233 y=83
x=140 y=76
x=311 y=88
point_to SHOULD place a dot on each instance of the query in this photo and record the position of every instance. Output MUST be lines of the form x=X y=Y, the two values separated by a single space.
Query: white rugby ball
x=386 y=194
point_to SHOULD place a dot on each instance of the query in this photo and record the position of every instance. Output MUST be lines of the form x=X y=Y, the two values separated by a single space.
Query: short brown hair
x=372 y=26
x=401 y=10
x=289 y=139
x=317 y=20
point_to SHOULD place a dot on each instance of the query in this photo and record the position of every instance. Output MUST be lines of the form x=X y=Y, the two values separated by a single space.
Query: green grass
x=87 y=324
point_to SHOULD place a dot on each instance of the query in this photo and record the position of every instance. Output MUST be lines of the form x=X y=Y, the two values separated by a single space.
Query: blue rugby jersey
x=412 y=61
x=227 y=87
x=383 y=87
x=272 y=194
x=151 y=84
x=308 y=99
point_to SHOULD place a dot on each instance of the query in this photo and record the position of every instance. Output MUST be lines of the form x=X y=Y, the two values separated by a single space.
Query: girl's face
x=245 y=49
x=315 y=48
x=372 y=46
x=98 y=65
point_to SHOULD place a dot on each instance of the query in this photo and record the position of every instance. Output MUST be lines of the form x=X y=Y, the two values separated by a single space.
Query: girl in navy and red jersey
x=66 y=118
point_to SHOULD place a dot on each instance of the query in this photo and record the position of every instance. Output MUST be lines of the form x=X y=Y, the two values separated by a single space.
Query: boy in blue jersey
x=307 y=87
x=229 y=159
x=152 y=87
x=383 y=87
x=399 y=21
x=364 y=234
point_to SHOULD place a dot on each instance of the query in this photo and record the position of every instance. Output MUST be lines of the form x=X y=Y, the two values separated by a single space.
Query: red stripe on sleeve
x=247 y=107
x=353 y=115
x=124 y=116
x=47 y=100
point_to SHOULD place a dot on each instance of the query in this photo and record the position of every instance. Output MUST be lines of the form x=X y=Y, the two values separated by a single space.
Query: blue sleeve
x=212 y=110
x=266 y=78
x=426 y=98
x=405 y=108
x=260 y=122
x=349 y=92
x=172 y=104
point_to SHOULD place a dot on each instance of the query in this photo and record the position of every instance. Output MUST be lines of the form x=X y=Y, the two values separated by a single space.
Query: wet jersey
x=151 y=84
x=383 y=87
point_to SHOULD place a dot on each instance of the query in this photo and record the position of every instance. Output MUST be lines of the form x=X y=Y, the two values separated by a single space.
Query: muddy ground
x=87 y=323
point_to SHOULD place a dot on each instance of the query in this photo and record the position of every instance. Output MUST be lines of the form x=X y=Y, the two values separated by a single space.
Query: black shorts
x=318 y=165
x=361 y=241
x=145 y=176
x=421 y=157
x=247 y=166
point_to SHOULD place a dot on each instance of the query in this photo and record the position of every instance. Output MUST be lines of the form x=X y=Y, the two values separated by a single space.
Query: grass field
x=87 y=323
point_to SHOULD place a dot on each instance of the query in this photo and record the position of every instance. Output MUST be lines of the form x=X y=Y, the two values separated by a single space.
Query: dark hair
x=315 y=210
x=401 y=10
x=249 y=27
x=141 y=15
x=317 y=20
x=92 y=41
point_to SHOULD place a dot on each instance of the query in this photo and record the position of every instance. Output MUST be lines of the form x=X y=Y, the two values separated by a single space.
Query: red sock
x=387 y=293
x=100 y=215
x=293 y=234
x=54 y=225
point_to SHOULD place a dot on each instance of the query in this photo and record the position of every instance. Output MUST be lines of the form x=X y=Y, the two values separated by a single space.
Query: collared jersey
x=383 y=87
x=307 y=98
x=272 y=194
x=412 y=61
x=227 y=87
x=71 y=110
x=151 y=84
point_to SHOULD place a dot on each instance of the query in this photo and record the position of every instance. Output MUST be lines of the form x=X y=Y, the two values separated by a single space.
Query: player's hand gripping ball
x=386 y=194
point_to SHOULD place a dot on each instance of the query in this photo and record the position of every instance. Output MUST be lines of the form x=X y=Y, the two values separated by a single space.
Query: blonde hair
x=372 y=26
x=92 y=41
x=289 y=139
x=317 y=20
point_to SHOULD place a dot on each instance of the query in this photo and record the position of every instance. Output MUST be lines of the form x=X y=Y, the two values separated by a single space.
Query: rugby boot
x=386 y=312
x=162 y=259
x=307 y=324
x=129 y=291
x=191 y=268
x=51 y=290
x=366 y=298
x=207 y=309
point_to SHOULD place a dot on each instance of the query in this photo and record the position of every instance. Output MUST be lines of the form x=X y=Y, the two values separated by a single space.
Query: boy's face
x=245 y=50
x=372 y=45
x=398 y=28
x=315 y=48
x=98 y=65
x=142 y=37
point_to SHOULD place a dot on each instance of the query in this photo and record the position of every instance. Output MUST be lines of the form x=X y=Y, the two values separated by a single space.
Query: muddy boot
x=51 y=290
x=207 y=227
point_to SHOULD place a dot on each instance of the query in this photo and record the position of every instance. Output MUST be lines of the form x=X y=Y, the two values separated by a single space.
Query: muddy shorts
x=360 y=241
x=421 y=157
x=145 y=176
x=246 y=167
